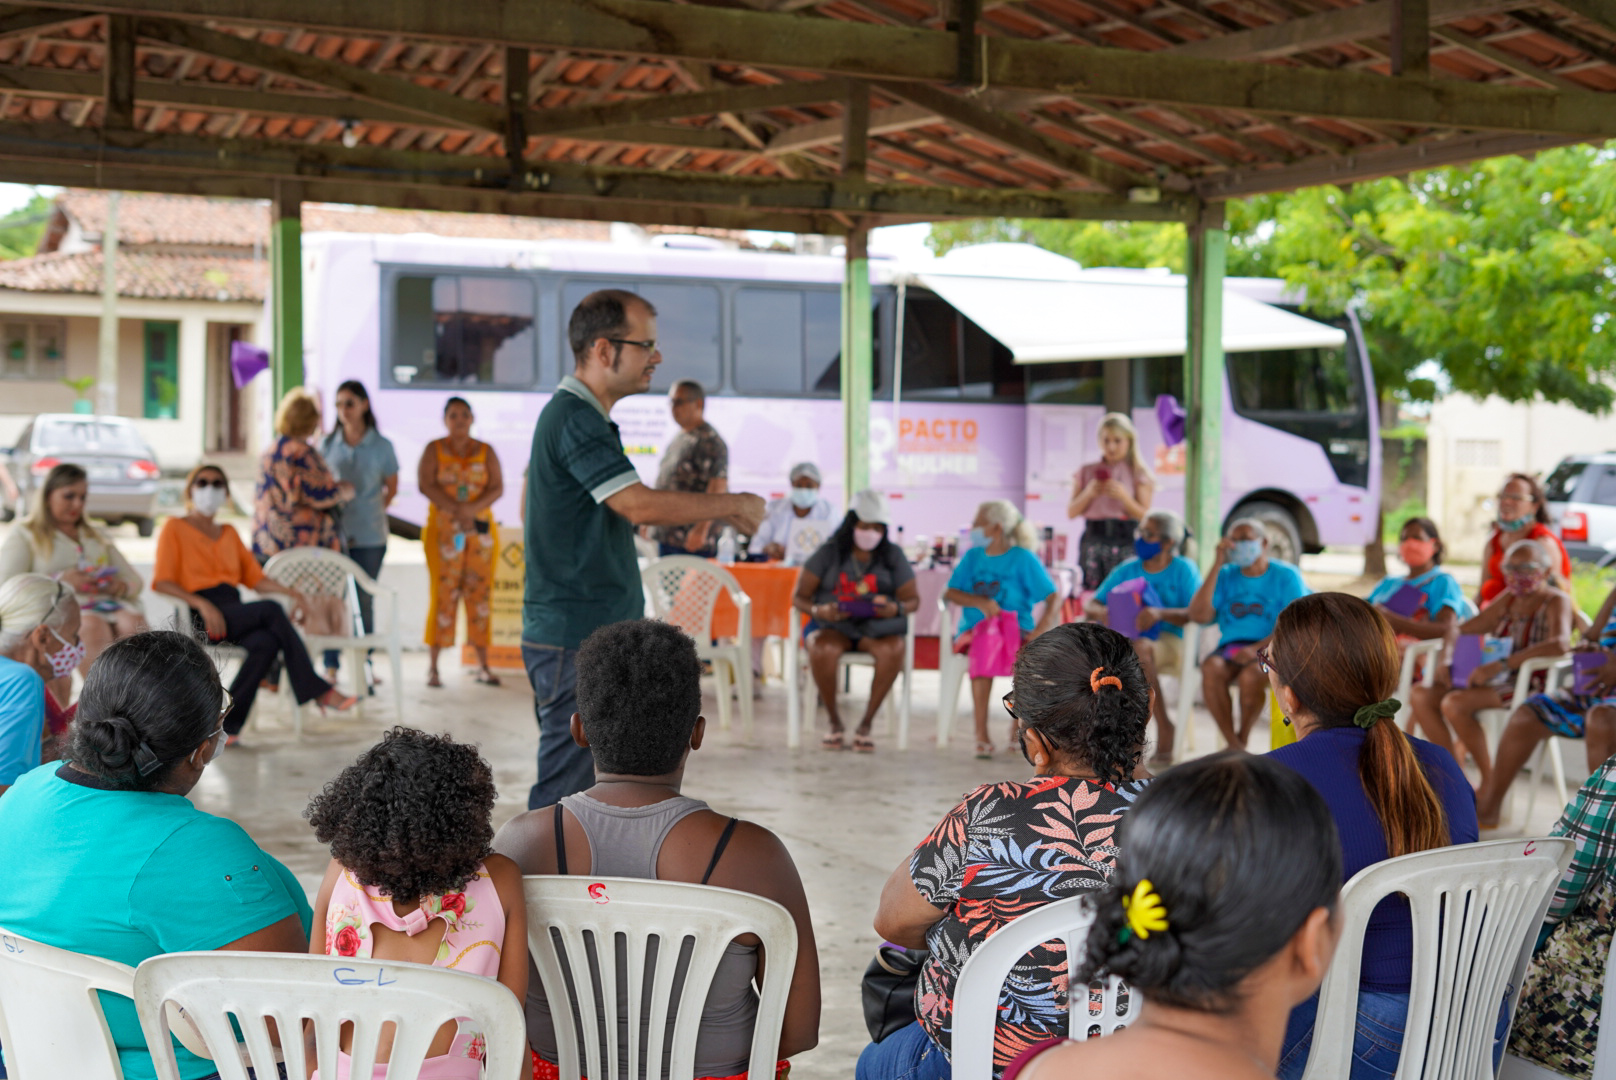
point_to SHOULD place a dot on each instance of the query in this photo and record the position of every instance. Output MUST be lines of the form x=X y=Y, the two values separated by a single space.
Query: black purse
x=888 y=989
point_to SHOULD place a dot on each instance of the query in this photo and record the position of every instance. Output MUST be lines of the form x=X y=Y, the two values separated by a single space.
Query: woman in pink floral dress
x=1081 y=702
x=413 y=877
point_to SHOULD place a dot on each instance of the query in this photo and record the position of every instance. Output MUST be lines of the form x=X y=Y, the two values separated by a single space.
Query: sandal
x=985 y=751
x=863 y=744
x=487 y=678
x=834 y=741
x=432 y=679
x=336 y=700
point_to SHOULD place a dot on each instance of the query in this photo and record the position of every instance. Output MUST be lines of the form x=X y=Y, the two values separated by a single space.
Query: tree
x=23 y=228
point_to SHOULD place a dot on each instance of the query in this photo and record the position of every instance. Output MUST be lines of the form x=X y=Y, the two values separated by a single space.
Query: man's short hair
x=601 y=314
x=639 y=696
x=691 y=389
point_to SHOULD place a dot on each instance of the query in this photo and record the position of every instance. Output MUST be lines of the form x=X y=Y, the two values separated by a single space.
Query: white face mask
x=207 y=500
x=804 y=497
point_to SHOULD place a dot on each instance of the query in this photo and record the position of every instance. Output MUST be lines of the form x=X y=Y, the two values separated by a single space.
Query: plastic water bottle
x=726 y=547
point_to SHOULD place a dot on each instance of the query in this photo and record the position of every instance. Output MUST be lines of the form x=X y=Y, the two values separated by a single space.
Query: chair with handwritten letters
x=325 y=992
x=51 y=1023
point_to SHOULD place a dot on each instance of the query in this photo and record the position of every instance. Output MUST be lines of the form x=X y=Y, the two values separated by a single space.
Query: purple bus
x=992 y=367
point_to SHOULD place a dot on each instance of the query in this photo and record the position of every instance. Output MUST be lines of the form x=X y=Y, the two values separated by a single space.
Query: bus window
x=468 y=329
x=1077 y=382
x=687 y=333
x=769 y=340
x=822 y=341
x=1293 y=381
x=1156 y=375
x=931 y=349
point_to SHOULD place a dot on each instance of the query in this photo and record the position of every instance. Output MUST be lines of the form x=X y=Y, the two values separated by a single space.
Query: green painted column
x=1203 y=383
x=286 y=287
x=858 y=360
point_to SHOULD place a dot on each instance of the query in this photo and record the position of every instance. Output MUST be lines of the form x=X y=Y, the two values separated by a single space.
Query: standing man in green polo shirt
x=584 y=501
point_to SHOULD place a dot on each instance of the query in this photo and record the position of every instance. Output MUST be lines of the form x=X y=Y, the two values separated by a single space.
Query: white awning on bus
x=1106 y=316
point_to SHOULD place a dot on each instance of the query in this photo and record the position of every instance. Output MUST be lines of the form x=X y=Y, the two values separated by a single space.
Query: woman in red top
x=1523 y=514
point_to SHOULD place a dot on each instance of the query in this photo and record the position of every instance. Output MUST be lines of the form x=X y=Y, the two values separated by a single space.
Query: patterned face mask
x=1524 y=584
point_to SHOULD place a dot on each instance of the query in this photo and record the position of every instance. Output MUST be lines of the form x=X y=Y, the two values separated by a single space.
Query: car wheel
x=146 y=526
x=1284 y=537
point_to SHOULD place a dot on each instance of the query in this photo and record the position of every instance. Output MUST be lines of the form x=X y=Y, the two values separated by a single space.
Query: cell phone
x=481 y=526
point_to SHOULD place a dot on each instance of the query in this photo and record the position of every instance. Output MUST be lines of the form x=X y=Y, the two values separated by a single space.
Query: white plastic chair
x=322 y=572
x=976 y=993
x=684 y=591
x=572 y=920
x=1476 y=910
x=1514 y=1068
x=51 y=1023
x=800 y=684
x=327 y=991
x=1189 y=677
x=223 y=655
x=1492 y=721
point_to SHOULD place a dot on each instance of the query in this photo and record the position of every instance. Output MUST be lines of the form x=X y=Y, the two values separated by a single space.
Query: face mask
x=1524 y=584
x=1513 y=524
x=1146 y=549
x=979 y=538
x=804 y=498
x=207 y=500
x=67 y=658
x=1417 y=552
x=1245 y=552
x=868 y=539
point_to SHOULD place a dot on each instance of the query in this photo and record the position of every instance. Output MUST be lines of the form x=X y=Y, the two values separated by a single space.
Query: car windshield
x=1563 y=481
x=90 y=436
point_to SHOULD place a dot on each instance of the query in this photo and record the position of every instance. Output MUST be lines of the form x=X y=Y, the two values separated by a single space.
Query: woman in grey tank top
x=639 y=704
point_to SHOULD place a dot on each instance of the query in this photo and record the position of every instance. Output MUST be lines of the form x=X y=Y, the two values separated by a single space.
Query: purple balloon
x=246 y=361
x=1170 y=415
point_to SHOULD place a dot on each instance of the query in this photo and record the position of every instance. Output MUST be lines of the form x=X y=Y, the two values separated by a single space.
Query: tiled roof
x=170 y=219
x=330 y=217
x=142 y=275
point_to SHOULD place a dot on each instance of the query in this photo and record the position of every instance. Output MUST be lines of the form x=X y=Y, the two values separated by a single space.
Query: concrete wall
x=1475 y=443
x=178 y=443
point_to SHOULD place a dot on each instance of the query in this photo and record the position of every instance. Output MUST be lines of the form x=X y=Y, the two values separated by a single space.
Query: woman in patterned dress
x=1082 y=703
x=462 y=480
x=296 y=490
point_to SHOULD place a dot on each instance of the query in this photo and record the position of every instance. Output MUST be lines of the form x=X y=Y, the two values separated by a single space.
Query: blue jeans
x=1377 y=1040
x=907 y=1054
x=565 y=768
x=369 y=559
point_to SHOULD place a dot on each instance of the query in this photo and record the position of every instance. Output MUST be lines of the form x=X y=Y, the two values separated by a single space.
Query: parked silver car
x=1581 y=494
x=122 y=468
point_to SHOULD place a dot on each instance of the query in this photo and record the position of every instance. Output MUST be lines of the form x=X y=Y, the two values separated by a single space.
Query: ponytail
x=1081 y=686
x=1339 y=657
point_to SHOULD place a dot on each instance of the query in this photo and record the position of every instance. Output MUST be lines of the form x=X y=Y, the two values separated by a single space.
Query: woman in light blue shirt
x=1439 y=603
x=357 y=453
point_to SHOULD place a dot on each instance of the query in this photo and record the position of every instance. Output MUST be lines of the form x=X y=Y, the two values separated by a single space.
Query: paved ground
x=847 y=819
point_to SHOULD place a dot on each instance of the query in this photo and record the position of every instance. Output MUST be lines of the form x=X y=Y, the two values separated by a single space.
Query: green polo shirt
x=582 y=570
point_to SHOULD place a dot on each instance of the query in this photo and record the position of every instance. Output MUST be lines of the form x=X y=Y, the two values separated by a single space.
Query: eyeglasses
x=224 y=710
x=1265 y=660
x=1509 y=498
x=1008 y=701
x=649 y=344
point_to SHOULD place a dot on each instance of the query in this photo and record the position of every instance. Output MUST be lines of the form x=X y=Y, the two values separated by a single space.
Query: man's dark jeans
x=565 y=768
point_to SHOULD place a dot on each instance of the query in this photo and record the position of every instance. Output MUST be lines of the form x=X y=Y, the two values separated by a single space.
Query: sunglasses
x=210 y=483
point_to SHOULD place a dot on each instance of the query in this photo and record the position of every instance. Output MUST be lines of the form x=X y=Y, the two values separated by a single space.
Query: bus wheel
x=1284 y=538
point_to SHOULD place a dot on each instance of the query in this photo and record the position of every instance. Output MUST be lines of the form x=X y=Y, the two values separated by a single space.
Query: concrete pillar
x=193 y=381
x=106 y=372
x=858 y=360
x=1119 y=386
x=1203 y=382
x=286 y=287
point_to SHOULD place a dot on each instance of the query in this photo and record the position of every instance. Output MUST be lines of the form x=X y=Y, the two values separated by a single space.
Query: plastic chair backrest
x=51 y=1023
x=1476 y=909
x=684 y=591
x=320 y=570
x=582 y=930
x=328 y=991
x=1099 y=1009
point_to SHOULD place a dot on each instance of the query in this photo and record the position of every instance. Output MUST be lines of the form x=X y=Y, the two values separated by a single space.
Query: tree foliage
x=23 y=228
x=1501 y=274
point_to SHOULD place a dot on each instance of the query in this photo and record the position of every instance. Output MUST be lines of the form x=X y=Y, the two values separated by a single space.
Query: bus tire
x=1284 y=537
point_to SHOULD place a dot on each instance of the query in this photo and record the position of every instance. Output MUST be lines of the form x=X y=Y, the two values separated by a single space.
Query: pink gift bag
x=994 y=644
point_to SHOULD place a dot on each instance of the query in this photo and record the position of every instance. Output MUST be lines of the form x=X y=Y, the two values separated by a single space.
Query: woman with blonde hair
x=999 y=574
x=57 y=540
x=39 y=640
x=1112 y=496
x=296 y=490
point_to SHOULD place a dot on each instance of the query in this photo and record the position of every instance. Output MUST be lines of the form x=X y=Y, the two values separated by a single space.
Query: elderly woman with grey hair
x=1535 y=617
x=1158 y=633
x=39 y=640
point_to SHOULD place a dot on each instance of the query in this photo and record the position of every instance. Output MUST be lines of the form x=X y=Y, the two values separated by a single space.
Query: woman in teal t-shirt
x=105 y=856
x=999 y=573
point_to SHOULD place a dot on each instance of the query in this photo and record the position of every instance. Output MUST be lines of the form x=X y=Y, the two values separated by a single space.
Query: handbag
x=888 y=990
x=994 y=645
x=325 y=616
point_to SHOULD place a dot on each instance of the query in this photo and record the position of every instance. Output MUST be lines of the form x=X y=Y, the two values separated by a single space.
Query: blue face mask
x=979 y=539
x=1245 y=553
x=804 y=497
x=1515 y=524
x=1146 y=549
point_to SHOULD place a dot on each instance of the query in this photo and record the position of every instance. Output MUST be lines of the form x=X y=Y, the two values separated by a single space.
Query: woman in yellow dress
x=461 y=478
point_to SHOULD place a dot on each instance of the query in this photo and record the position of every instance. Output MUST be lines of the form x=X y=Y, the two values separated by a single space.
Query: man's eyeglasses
x=649 y=344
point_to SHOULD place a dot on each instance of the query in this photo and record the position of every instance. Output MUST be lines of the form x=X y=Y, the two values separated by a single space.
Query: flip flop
x=487 y=678
x=433 y=680
x=834 y=741
x=863 y=744
x=984 y=751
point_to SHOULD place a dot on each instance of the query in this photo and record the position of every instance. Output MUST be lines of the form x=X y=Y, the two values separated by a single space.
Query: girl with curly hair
x=413 y=877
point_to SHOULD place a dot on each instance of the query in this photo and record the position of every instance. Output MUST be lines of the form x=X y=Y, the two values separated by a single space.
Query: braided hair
x=1082 y=687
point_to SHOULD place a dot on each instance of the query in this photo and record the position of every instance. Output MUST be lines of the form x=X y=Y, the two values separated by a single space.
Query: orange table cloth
x=771 y=586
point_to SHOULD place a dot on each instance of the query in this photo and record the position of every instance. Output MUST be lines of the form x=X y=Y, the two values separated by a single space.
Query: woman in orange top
x=203 y=564
x=462 y=480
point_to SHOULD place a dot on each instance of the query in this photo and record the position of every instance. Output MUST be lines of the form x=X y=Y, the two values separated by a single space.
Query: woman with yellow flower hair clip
x=1221 y=914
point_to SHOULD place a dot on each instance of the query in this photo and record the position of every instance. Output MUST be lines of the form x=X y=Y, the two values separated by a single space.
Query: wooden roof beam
x=885 y=121
x=731 y=99
x=1332 y=27
x=18 y=21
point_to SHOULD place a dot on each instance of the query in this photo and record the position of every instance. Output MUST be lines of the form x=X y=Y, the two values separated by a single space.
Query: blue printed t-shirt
x=1175 y=584
x=22 y=719
x=1328 y=759
x=582 y=569
x=127 y=875
x=365 y=466
x=1440 y=590
x=1015 y=581
x=1247 y=607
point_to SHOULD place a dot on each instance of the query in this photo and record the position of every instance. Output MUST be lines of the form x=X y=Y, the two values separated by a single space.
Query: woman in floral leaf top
x=1082 y=703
